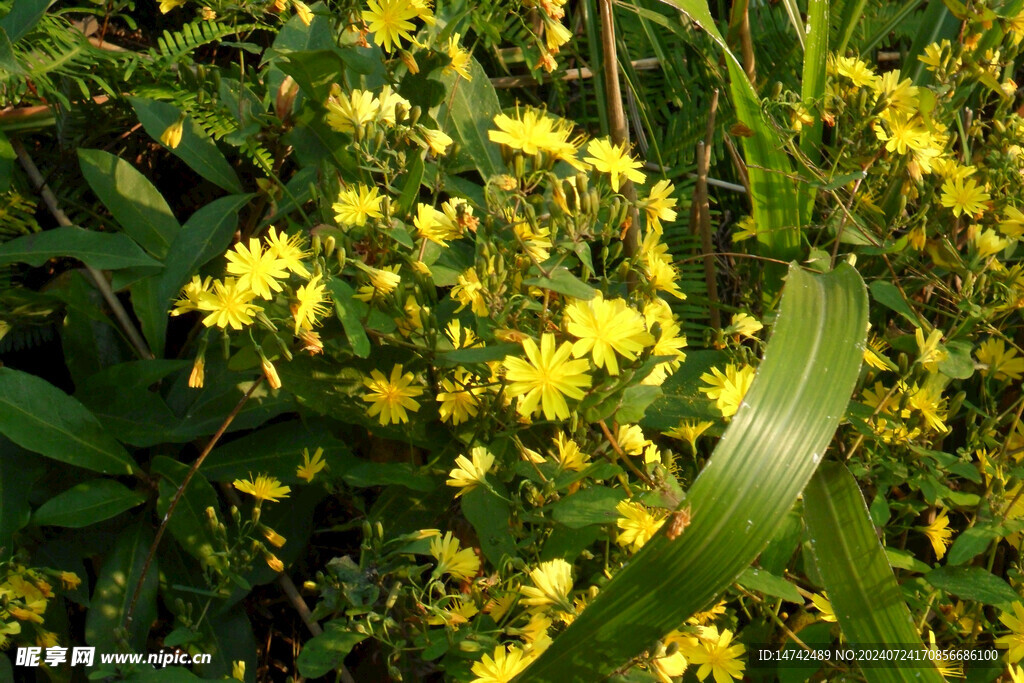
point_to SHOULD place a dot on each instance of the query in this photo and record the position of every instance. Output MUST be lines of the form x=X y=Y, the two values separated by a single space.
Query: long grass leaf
x=761 y=464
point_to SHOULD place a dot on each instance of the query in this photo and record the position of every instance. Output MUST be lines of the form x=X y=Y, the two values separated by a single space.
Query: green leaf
x=474 y=104
x=87 y=503
x=769 y=584
x=595 y=505
x=18 y=473
x=313 y=70
x=774 y=193
x=564 y=282
x=477 y=355
x=41 y=418
x=326 y=652
x=23 y=17
x=888 y=294
x=762 y=463
x=973 y=541
x=348 y=309
x=277 y=450
x=635 y=400
x=958 y=364
x=114 y=590
x=973 y=583
x=196 y=148
x=7 y=159
x=101 y=250
x=489 y=516
x=136 y=205
x=865 y=595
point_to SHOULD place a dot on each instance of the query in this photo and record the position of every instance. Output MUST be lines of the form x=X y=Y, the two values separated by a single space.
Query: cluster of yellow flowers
x=25 y=594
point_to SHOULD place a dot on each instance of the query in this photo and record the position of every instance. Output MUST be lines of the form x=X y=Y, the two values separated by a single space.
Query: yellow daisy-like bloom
x=433 y=225
x=939 y=534
x=535 y=633
x=606 y=328
x=382 y=280
x=257 y=270
x=391 y=397
x=636 y=525
x=262 y=488
x=228 y=305
x=286 y=249
x=728 y=389
x=857 y=71
x=660 y=205
x=532 y=131
x=614 y=160
x=963 y=196
x=631 y=439
x=569 y=455
x=458 y=399
x=988 y=242
x=389 y=22
x=874 y=354
x=907 y=133
x=718 y=656
x=930 y=354
x=1013 y=642
x=998 y=361
x=461 y=565
x=689 y=431
x=191 y=295
x=172 y=134
x=468 y=474
x=506 y=663
x=437 y=141
x=662 y=275
x=70 y=580
x=745 y=325
x=460 y=58
x=345 y=112
x=456 y=614
x=552 y=582
x=469 y=291
x=310 y=467
x=310 y=305
x=901 y=96
x=546 y=378
x=357 y=204
x=388 y=102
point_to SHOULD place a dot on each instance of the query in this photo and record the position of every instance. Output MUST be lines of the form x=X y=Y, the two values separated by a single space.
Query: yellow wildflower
x=728 y=389
x=636 y=525
x=263 y=487
x=461 y=565
x=391 y=397
x=310 y=467
x=468 y=474
x=546 y=378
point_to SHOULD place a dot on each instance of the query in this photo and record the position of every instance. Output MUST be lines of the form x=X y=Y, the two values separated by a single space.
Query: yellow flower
x=728 y=389
x=660 y=205
x=874 y=354
x=70 y=580
x=263 y=487
x=259 y=270
x=346 y=112
x=546 y=378
x=391 y=397
x=191 y=295
x=238 y=670
x=459 y=612
x=270 y=372
x=167 y=5
x=458 y=399
x=614 y=160
x=437 y=141
x=901 y=96
x=744 y=324
x=311 y=304
x=433 y=225
x=1013 y=642
x=382 y=280
x=930 y=351
x=718 y=657
x=461 y=565
x=302 y=10
x=532 y=131
x=570 y=457
x=997 y=360
x=468 y=291
x=310 y=467
x=273 y=538
x=824 y=605
x=506 y=663
x=172 y=134
x=907 y=133
x=9 y=629
x=662 y=275
x=963 y=196
x=552 y=582
x=274 y=562
x=535 y=633
x=459 y=337
x=689 y=431
x=606 y=328
x=468 y=474
x=636 y=523
x=389 y=102
x=460 y=57
x=631 y=439
x=939 y=534
x=389 y=21
x=859 y=74
x=357 y=204
x=988 y=242
x=745 y=229
x=228 y=305
x=285 y=248
x=933 y=55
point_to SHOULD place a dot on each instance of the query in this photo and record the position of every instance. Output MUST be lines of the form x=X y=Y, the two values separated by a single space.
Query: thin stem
x=623 y=456
x=97 y=276
x=130 y=612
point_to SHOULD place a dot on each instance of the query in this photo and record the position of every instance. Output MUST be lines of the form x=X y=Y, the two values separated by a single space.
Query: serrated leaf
x=101 y=250
x=740 y=499
x=87 y=503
